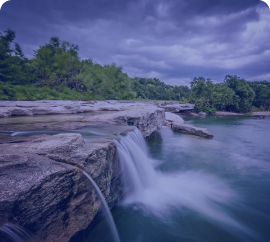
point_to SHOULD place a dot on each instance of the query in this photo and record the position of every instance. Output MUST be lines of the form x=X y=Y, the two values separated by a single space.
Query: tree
x=57 y=64
x=57 y=72
x=244 y=95
x=210 y=97
x=13 y=64
x=262 y=94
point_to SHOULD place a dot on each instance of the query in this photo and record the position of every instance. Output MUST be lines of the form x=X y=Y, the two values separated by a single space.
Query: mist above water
x=182 y=188
x=160 y=193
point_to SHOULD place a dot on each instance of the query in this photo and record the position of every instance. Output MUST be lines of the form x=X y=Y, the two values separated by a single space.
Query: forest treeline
x=57 y=72
x=234 y=95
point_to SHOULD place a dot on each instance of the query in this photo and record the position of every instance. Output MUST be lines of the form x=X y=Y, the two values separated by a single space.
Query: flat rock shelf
x=46 y=145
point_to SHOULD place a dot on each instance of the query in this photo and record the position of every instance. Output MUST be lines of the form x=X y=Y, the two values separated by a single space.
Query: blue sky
x=172 y=40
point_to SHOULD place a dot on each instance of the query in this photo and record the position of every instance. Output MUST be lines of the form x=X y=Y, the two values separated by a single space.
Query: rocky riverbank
x=45 y=107
x=43 y=190
x=179 y=125
x=42 y=186
x=261 y=114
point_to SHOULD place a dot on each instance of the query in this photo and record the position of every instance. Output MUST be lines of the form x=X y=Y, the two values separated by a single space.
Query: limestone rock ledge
x=44 y=191
x=171 y=117
x=147 y=118
x=190 y=129
x=147 y=122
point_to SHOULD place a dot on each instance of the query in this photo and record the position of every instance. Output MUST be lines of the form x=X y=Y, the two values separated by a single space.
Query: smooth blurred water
x=13 y=233
x=89 y=133
x=106 y=209
x=204 y=190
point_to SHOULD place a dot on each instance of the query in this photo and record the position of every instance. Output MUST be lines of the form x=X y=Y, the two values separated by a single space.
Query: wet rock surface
x=41 y=185
x=16 y=139
x=28 y=108
x=44 y=107
x=146 y=116
x=190 y=129
x=178 y=124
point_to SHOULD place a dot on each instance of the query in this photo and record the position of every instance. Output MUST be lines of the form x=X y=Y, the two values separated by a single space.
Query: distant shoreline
x=262 y=113
x=223 y=113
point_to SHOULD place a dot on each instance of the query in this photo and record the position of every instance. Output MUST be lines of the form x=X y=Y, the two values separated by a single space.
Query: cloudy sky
x=173 y=40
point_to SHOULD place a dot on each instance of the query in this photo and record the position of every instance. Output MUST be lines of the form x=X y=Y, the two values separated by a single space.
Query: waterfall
x=15 y=233
x=138 y=172
x=108 y=214
x=161 y=193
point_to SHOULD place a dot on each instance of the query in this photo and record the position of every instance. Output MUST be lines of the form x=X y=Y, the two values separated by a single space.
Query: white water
x=160 y=193
x=107 y=211
x=16 y=133
x=16 y=233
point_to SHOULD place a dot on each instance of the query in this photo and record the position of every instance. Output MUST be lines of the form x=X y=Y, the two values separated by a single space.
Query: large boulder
x=173 y=118
x=51 y=199
x=147 y=122
x=96 y=158
x=43 y=189
x=202 y=114
x=190 y=129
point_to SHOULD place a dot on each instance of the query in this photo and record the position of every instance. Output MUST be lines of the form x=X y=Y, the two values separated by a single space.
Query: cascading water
x=14 y=233
x=138 y=172
x=160 y=193
x=108 y=214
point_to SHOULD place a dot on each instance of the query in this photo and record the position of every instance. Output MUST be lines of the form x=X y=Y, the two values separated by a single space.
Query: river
x=201 y=190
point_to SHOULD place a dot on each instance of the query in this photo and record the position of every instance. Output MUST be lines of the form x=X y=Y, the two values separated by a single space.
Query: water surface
x=203 y=190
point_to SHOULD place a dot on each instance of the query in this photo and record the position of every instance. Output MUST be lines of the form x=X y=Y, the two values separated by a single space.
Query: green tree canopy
x=210 y=97
x=244 y=95
x=13 y=65
x=262 y=94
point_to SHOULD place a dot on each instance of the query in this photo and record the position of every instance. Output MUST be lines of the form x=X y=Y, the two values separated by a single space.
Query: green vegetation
x=234 y=95
x=261 y=101
x=154 y=89
x=209 y=97
x=57 y=72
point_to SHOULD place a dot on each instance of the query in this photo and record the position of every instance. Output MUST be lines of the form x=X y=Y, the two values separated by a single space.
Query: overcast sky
x=173 y=40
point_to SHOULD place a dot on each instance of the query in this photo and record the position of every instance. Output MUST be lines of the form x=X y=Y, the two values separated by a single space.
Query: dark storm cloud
x=173 y=40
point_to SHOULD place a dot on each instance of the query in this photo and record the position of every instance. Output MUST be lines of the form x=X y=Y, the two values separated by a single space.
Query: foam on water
x=160 y=193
